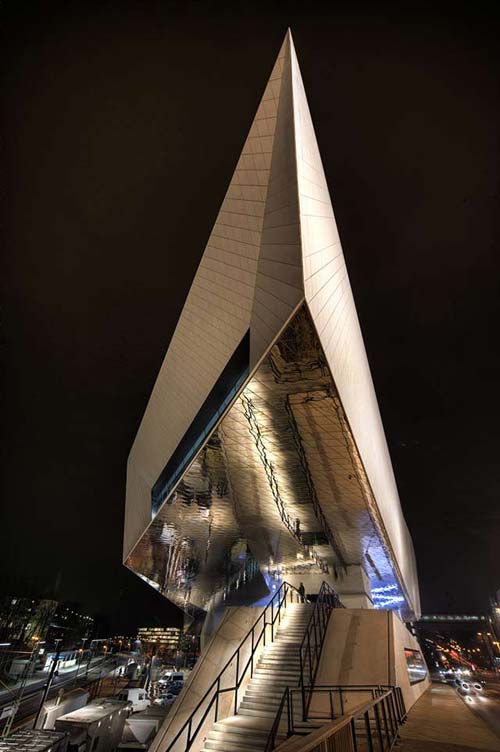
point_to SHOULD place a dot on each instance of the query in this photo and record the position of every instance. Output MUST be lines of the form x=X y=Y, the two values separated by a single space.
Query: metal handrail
x=285 y=700
x=378 y=719
x=256 y=634
x=376 y=689
x=309 y=654
x=312 y=643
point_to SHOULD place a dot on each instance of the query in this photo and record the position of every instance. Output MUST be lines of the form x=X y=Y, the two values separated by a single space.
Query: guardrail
x=312 y=644
x=239 y=666
x=373 y=725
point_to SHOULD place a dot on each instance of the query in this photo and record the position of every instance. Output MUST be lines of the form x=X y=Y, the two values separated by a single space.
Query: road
x=66 y=680
x=486 y=705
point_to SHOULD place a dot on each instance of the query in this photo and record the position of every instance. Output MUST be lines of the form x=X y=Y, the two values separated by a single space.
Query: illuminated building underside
x=283 y=453
x=261 y=454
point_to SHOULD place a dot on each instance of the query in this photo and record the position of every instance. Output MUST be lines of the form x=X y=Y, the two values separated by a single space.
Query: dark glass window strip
x=223 y=392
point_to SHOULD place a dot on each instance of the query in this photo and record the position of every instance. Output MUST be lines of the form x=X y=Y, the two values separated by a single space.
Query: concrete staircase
x=278 y=667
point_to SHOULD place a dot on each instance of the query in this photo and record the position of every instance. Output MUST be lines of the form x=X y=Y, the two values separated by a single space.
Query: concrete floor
x=441 y=722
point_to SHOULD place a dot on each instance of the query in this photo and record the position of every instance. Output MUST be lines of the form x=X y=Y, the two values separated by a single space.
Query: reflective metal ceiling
x=278 y=488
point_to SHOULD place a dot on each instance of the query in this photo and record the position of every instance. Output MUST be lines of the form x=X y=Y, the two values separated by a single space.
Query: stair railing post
x=236 y=683
x=289 y=711
x=393 y=709
x=304 y=708
x=302 y=685
x=386 y=724
x=392 y=717
x=309 y=656
x=379 y=727
x=368 y=730
x=251 y=656
x=217 y=700
x=354 y=737
x=316 y=636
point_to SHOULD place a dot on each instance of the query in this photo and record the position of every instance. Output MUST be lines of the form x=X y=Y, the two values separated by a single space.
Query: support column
x=353 y=586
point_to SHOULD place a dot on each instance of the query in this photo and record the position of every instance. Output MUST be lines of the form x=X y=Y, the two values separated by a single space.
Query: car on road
x=165 y=700
x=136 y=696
x=172 y=676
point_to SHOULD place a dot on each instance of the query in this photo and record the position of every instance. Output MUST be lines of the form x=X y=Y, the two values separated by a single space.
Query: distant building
x=160 y=639
x=25 y=620
x=70 y=625
x=123 y=642
x=495 y=614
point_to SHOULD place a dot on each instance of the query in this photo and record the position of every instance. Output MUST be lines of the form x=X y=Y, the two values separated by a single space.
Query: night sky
x=122 y=124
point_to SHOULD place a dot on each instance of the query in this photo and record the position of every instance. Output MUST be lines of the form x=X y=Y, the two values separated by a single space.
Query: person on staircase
x=302 y=593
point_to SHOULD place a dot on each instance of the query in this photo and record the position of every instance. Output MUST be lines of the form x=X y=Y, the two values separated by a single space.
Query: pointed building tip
x=287 y=44
x=289 y=40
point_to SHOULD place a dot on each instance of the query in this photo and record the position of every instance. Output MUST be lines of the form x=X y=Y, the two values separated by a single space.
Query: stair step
x=241 y=736
x=271 y=688
x=230 y=746
x=238 y=725
x=282 y=652
x=286 y=640
x=251 y=692
x=274 y=660
x=270 y=693
x=288 y=629
x=260 y=701
x=279 y=661
x=237 y=732
x=269 y=679
x=269 y=714
x=269 y=702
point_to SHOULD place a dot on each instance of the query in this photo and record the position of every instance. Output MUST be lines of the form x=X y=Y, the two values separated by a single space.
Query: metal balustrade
x=312 y=644
x=372 y=726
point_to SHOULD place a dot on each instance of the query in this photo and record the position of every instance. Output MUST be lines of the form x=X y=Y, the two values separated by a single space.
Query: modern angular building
x=261 y=456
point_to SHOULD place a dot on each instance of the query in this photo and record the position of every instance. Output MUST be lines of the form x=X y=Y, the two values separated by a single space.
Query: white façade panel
x=214 y=319
x=329 y=298
x=279 y=286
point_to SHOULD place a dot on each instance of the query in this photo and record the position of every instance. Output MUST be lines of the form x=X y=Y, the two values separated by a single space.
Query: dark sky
x=122 y=124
